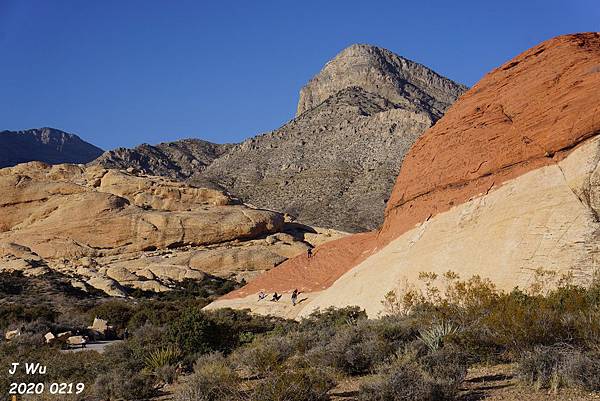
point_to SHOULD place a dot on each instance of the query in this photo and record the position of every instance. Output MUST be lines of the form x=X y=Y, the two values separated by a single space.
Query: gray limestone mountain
x=47 y=145
x=334 y=165
x=401 y=81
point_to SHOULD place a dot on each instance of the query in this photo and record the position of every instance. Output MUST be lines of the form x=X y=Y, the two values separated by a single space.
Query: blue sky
x=120 y=73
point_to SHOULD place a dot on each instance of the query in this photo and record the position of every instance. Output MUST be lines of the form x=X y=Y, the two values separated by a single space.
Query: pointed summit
x=380 y=71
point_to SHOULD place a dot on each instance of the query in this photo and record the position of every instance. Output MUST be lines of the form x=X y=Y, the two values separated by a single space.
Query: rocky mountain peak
x=380 y=71
x=48 y=145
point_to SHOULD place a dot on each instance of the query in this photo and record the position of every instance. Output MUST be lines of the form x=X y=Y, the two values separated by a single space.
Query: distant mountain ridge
x=181 y=160
x=47 y=145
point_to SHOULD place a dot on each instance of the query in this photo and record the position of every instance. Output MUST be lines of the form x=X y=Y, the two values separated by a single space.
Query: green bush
x=500 y=326
x=159 y=358
x=333 y=317
x=61 y=367
x=198 y=332
x=194 y=333
x=116 y=312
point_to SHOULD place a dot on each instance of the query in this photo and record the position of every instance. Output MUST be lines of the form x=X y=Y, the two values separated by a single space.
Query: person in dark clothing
x=295 y=296
x=276 y=297
x=126 y=334
x=309 y=253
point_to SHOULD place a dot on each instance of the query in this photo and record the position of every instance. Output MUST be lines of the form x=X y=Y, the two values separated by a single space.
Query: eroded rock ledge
x=112 y=228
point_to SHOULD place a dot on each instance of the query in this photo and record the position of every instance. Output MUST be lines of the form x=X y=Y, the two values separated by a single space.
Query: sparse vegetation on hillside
x=420 y=351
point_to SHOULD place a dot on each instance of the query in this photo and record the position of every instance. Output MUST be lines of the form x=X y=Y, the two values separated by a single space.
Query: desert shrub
x=239 y=325
x=299 y=384
x=17 y=315
x=160 y=312
x=213 y=380
x=81 y=366
x=264 y=355
x=406 y=382
x=12 y=283
x=353 y=350
x=148 y=338
x=118 y=384
x=432 y=377
x=541 y=367
x=123 y=356
x=434 y=336
x=447 y=368
x=395 y=329
x=61 y=367
x=581 y=369
x=194 y=333
x=333 y=317
x=558 y=366
x=166 y=374
x=197 y=332
x=498 y=325
x=162 y=357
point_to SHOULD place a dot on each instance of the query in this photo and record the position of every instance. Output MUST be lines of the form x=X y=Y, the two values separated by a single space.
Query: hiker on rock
x=276 y=297
x=295 y=296
x=261 y=295
x=309 y=253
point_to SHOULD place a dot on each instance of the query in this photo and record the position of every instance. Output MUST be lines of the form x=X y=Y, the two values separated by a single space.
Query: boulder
x=12 y=334
x=99 y=325
x=77 y=341
x=109 y=286
x=49 y=337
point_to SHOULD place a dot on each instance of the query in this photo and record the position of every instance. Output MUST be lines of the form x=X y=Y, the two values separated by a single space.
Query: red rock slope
x=526 y=114
x=520 y=116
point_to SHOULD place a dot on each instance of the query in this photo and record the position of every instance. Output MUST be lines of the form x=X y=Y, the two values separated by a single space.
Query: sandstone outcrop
x=47 y=145
x=69 y=211
x=506 y=183
x=112 y=229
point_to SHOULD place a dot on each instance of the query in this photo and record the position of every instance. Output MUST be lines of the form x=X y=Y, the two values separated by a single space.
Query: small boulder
x=49 y=337
x=12 y=334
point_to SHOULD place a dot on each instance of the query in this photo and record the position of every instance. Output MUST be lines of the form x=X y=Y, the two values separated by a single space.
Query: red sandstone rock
x=317 y=273
x=517 y=118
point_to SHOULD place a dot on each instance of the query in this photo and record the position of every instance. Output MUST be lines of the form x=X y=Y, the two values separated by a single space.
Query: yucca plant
x=434 y=336
x=166 y=356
